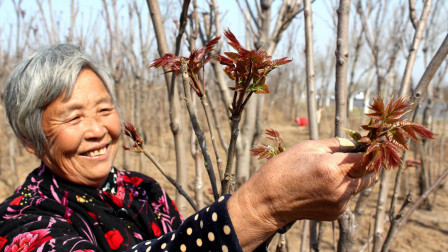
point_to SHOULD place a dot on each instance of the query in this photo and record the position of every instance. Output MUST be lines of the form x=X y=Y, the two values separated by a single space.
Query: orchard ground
x=426 y=230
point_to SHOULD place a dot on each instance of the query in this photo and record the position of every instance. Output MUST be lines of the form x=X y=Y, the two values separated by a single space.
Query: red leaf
x=412 y=162
x=273 y=135
x=170 y=61
x=398 y=138
x=233 y=41
x=386 y=121
x=392 y=155
x=262 y=151
x=266 y=151
x=223 y=60
x=396 y=109
x=282 y=61
x=377 y=106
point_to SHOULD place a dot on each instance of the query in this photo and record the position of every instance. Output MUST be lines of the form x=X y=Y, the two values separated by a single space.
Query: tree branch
x=406 y=81
x=197 y=129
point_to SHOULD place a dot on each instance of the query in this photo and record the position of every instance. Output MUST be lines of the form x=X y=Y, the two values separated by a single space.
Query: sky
x=231 y=17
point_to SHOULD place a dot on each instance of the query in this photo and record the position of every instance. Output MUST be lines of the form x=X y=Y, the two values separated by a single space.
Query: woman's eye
x=106 y=110
x=74 y=119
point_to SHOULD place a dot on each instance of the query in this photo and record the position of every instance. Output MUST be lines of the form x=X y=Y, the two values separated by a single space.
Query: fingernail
x=349 y=145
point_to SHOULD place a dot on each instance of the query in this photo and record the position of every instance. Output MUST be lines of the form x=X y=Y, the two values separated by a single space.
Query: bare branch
x=287 y=13
x=44 y=19
x=247 y=16
x=406 y=81
x=74 y=9
x=413 y=14
x=430 y=71
x=400 y=222
x=173 y=95
x=172 y=181
x=197 y=129
x=252 y=15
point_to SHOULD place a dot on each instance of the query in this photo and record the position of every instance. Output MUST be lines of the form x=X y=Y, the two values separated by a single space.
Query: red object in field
x=302 y=121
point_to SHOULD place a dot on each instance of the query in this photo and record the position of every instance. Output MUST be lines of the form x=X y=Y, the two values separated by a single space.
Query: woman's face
x=82 y=132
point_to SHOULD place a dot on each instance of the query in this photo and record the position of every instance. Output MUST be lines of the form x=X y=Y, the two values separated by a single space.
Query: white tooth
x=96 y=152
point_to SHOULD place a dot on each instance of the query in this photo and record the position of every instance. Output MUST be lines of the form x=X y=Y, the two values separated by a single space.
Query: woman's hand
x=311 y=180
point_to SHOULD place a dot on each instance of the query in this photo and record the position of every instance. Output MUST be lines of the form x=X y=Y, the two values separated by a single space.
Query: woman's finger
x=364 y=182
x=319 y=146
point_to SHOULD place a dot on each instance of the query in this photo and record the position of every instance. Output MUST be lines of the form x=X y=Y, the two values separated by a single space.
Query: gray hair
x=39 y=80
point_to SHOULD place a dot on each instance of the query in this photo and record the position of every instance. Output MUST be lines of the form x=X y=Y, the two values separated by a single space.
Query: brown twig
x=413 y=14
x=197 y=129
x=400 y=220
x=172 y=181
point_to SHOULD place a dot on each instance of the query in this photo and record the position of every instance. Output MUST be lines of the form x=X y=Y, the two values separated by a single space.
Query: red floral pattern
x=29 y=241
x=133 y=180
x=114 y=238
x=93 y=216
x=2 y=242
x=16 y=201
x=117 y=200
x=66 y=217
x=156 y=229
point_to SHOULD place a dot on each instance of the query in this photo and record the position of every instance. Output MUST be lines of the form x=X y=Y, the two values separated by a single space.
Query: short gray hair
x=39 y=80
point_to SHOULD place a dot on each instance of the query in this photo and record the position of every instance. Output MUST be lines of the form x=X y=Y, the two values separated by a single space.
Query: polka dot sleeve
x=210 y=229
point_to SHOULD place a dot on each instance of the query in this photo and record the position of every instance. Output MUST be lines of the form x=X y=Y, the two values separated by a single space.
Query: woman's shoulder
x=32 y=180
x=28 y=202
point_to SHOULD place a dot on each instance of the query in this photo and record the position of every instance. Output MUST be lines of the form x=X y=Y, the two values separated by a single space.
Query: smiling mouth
x=95 y=153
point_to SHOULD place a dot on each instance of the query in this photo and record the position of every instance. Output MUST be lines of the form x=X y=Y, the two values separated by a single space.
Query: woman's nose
x=95 y=129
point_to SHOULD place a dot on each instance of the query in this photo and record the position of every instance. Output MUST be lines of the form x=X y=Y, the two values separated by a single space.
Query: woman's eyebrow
x=79 y=105
x=104 y=99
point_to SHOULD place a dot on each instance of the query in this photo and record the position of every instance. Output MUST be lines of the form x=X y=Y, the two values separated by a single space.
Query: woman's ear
x=29 y=147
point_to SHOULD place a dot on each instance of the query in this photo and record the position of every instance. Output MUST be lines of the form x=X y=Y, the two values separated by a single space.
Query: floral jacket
x=131 y=212
x=48 y=213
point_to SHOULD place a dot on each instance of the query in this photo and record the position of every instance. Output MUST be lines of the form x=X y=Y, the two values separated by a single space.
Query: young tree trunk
x=311 y=101
x=175 y=113
x=267 y=40
x=380 y=218
x=198 y=181
x=310 y=83
x=282 y=245
x=346 y=221
x=341 y=67
x=359 y=210
x=304 y=241
x=250 y=128
x=426 y=157
x=397 y=221
x=245 y=139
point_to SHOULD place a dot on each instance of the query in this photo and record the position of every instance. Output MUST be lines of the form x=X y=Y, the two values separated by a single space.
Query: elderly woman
x=62 y=107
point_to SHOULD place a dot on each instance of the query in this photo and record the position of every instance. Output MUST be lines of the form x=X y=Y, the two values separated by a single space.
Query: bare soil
x=427 y=230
